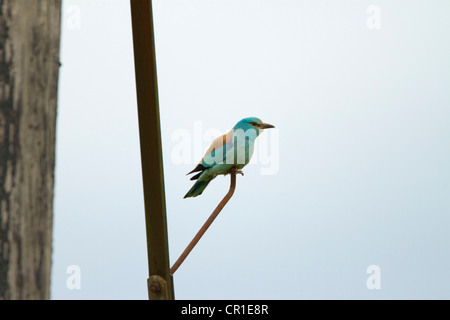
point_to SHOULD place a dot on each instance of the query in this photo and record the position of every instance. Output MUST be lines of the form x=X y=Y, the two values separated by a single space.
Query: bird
x=231 y=151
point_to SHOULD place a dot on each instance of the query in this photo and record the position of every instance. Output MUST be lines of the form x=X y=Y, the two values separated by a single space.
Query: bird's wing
x=216 y=152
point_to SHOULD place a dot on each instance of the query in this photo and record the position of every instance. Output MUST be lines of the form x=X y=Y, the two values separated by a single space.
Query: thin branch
x=206 y=224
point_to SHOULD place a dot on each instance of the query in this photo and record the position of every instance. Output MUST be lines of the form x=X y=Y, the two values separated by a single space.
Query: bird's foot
x=237 y=171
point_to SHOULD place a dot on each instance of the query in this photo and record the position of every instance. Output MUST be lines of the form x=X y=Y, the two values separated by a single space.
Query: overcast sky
x=355 y=178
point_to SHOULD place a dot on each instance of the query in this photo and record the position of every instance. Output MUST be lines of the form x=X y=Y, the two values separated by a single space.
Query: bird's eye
x=253 y=123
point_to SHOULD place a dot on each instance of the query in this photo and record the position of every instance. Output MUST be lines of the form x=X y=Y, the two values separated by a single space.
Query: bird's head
x=252 y=123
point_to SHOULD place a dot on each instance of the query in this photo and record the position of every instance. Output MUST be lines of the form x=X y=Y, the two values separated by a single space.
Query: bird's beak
x=266 y=126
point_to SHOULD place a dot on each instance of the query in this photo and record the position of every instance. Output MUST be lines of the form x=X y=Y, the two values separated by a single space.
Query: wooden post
x=29 y=71
x=151 y=150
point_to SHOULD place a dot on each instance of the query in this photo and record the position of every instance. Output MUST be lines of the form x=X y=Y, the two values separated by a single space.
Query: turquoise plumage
x=232 y=150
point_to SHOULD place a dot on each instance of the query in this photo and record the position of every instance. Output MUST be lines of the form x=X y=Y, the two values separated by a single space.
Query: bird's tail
x=197 y=188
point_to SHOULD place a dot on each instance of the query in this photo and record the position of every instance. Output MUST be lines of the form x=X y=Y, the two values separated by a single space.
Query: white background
x=363 y=120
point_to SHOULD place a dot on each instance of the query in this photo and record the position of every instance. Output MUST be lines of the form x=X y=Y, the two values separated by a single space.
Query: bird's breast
x=242 y=150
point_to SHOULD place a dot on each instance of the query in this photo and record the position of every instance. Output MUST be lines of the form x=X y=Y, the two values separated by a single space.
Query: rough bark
x=29 y=66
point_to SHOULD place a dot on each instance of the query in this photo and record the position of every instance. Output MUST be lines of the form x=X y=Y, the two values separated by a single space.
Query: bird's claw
x=237 y=171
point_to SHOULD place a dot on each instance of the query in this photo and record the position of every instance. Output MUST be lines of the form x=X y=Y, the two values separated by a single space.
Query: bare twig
x=207 y=223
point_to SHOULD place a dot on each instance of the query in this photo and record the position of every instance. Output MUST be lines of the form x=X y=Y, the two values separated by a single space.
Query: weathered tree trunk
x=29 y=66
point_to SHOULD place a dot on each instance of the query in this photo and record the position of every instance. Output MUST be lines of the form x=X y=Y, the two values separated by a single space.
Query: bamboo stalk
x=151 y=148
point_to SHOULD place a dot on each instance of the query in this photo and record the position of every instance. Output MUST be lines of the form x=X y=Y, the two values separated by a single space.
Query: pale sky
x=359 y=93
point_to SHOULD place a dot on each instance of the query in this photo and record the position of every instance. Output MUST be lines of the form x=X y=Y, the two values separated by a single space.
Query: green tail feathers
x=197 y=188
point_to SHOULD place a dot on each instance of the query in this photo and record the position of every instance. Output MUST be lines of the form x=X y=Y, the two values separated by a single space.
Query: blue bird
x=231 y=150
